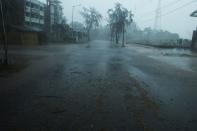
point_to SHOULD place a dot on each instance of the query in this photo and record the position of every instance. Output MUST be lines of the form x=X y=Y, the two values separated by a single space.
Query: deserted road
x=99 y=87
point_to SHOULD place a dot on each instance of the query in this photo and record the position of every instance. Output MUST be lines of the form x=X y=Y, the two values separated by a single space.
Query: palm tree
x=119 y=18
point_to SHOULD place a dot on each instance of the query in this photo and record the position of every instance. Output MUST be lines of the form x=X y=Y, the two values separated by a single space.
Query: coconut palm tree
x=119 y=18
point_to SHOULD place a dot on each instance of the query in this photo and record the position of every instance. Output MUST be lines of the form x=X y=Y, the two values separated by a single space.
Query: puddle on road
x=184 y=59
x=177 y=52
x=181 y=58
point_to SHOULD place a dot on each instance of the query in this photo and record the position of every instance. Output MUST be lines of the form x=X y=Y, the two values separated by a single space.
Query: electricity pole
x=5 y=45
x=157 y=24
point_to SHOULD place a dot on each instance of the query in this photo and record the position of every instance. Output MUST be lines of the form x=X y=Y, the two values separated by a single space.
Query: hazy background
x=177 y=21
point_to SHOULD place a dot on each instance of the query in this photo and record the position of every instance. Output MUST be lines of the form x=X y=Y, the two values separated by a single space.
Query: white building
x=34 y=14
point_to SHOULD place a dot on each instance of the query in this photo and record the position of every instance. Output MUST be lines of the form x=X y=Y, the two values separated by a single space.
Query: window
x=41 y=8
x=27 y=14
x=28 y=4
x=27 y=23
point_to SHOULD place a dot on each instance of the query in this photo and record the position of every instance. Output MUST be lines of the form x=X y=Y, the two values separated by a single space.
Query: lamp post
x=5 y=46
x=73 y=7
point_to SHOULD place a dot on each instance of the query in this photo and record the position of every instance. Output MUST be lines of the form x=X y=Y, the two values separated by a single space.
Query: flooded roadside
x=184 y=59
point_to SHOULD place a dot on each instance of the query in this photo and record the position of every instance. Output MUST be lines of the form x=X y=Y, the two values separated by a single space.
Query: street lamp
x=73 y=7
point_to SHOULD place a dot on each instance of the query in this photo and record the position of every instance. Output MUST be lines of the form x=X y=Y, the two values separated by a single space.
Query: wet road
x=100 y=87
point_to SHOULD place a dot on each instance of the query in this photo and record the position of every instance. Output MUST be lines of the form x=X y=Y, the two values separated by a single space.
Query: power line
x=163 y=7
x=172 y=11
x=171 y=4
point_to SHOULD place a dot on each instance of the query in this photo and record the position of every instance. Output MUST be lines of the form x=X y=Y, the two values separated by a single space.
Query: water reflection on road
x=170 y=77
x=184 y=59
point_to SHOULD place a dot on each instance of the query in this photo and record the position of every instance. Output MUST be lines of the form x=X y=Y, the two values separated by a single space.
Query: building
x=24 y=21
x=24 y=13
x=54 y=19
x=34 y=13
x=54 y=15
x=56 y=12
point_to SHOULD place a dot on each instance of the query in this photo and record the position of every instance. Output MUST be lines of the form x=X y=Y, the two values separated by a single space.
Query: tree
x=92 y=19
x=11 y=13
x=119 y=18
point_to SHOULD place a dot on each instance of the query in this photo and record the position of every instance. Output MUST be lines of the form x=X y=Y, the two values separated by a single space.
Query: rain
x=98 y=65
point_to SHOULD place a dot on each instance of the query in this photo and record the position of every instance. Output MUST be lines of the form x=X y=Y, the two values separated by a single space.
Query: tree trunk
x=116 y=38
x=88 y=35
x=4 y=35
x=123 y=37
x=111 y=36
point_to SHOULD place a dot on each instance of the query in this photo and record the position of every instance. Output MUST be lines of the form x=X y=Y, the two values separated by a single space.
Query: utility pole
x=158 y=15
x=5 y=45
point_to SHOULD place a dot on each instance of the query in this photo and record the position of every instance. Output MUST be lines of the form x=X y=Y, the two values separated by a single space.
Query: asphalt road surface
x=99 y=87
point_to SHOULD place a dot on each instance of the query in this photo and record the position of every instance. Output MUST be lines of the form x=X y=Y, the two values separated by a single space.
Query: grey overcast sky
x=176 y=13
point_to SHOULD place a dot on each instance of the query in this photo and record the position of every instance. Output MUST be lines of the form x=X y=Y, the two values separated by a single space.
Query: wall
x=21 y=38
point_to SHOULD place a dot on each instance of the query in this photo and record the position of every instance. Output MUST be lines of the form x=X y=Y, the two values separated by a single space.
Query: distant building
x=34 y=14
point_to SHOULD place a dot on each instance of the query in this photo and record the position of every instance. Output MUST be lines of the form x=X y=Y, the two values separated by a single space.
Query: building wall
x=34 y=14
x=22 y=38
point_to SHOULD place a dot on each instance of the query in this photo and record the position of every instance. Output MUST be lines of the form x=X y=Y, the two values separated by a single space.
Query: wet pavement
x=101 y=87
